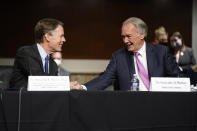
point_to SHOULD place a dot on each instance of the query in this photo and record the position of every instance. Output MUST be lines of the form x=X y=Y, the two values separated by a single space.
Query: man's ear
x=142 y=36
x=46 y=37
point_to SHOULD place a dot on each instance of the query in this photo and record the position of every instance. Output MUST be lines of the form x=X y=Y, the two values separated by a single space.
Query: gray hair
x=138 y=23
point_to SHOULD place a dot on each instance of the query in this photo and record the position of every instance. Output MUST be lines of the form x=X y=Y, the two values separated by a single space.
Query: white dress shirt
x=143 y=60
x=43 y=55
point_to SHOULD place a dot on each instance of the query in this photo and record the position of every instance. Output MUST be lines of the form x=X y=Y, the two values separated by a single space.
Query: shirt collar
x=142 y=49
x=42 y=52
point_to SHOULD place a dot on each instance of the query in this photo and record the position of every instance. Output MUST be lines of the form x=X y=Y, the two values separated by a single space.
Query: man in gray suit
x=57 y=57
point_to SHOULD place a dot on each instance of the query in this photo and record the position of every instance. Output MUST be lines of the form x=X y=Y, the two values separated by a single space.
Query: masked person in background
x=161 y=36
x=57 y=57
x=183 y=54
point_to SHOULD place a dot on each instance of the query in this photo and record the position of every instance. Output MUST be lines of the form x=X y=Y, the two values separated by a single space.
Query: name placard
x=48 y=83
x=170 y=84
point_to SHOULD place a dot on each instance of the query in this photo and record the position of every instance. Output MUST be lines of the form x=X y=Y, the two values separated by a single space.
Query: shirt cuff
x=84 y=87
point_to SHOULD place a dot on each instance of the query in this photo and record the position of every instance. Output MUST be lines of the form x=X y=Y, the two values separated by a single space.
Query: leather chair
x=5 y=75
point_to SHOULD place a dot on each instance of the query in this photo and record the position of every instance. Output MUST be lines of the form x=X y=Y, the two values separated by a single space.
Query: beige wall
x=82 y=70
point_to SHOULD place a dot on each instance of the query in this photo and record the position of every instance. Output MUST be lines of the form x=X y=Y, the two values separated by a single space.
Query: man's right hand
x=75 y=85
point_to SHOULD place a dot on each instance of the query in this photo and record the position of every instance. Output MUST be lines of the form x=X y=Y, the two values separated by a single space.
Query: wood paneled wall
x=92 y=27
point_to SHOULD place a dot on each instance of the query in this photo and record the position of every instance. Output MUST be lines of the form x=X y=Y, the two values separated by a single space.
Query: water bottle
x=134 y=83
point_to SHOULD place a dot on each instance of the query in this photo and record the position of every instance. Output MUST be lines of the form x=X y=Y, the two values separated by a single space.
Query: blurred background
x=92 y=27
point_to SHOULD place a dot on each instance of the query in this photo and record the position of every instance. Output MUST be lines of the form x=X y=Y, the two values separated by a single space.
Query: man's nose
x=125 y=40
x=64 y=39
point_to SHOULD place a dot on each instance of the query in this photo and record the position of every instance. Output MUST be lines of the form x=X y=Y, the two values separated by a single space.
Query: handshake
x=74 y=85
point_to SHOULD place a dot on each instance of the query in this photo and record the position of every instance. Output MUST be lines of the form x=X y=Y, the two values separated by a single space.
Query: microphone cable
x=19 y=108
x=3 y=109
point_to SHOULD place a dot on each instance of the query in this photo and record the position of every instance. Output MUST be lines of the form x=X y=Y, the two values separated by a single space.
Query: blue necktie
x=46 y=64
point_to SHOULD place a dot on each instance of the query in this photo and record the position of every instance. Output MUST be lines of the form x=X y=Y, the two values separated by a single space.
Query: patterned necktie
x=142 y=72
x=46 y=64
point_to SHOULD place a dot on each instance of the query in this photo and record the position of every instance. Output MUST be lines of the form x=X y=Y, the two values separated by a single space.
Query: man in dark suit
x=35 y=60
x=138 y=57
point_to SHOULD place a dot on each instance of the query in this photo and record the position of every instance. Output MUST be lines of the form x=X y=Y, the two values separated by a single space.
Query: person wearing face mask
x=161 y=36
x=183 y=54
x=137 y=57
x=57 y=57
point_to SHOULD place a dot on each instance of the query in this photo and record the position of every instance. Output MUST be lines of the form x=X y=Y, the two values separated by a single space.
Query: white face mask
x=57 y=61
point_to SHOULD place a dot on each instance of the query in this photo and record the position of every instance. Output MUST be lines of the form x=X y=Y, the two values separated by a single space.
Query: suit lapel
x=37 y=55
x=130 y=63
x=150 y=59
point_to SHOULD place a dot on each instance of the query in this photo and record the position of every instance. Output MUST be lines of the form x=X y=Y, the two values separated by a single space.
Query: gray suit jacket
x=63 y=72
x=186 y=59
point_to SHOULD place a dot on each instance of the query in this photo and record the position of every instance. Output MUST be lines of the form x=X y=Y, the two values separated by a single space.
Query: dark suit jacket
x=186 y=59
x=121 y=67
x=28 y=62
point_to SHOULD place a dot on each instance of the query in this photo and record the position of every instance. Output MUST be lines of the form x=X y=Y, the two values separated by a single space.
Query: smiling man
x=138 y=57
x=35 y=59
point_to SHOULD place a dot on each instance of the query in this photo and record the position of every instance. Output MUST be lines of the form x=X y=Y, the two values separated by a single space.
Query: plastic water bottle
x=134 y=83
